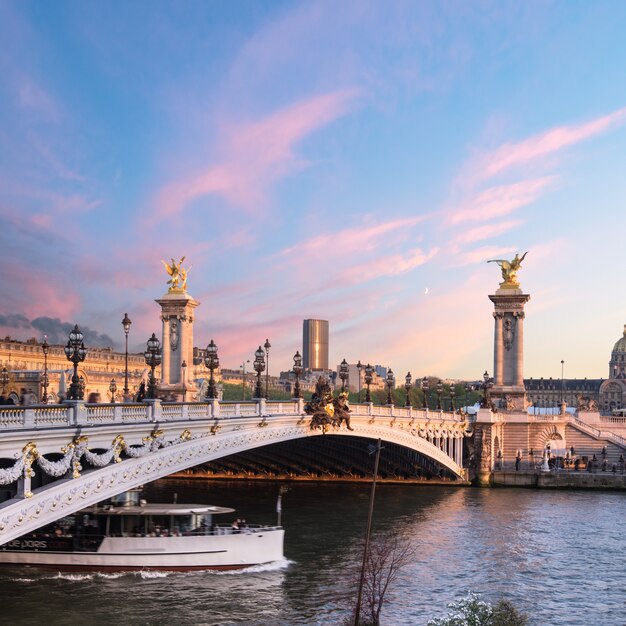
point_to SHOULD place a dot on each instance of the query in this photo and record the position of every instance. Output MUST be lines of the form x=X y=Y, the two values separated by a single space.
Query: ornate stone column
x=177 y=316
x=508 y=389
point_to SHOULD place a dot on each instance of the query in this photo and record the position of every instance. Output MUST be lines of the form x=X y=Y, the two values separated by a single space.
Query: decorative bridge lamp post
x=153 y=356
x=243 y=379
x=407 y=387
x=259 y=366
x=486 y=386
x=212 y=362
x=297 y=370
x=359 y=367
x=343 y=374
x=75 y=352
x=439 y=389
x=452 y=397
x=267 y=345
x=4 y=379
x=44 y=379
x=126 y=324
x=390 y=382
x=183 y=367
x=112 y=390
x=369 y=370
x=425 y=389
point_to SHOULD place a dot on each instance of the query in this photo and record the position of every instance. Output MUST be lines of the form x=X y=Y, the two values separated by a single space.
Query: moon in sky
x=426 y=291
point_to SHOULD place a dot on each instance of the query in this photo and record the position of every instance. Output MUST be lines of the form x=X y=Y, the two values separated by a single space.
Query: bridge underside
x=337 y=457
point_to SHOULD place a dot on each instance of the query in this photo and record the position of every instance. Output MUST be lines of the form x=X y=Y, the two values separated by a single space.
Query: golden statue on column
x=509 y=270
x=178 y=274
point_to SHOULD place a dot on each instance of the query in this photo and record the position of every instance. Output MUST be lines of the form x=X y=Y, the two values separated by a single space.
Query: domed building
x=613 y=390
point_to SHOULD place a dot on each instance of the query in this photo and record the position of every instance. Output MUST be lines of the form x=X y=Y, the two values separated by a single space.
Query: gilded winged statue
x=178 y=274
x=510 y=269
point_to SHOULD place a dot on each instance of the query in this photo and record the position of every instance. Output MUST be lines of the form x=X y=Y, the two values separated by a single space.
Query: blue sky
x=357 y=162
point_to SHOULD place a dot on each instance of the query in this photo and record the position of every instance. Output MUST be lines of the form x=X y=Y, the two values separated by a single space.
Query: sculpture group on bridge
x=325 y=410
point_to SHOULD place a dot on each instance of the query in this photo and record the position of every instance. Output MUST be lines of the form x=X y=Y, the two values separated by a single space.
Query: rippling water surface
x=559 y=556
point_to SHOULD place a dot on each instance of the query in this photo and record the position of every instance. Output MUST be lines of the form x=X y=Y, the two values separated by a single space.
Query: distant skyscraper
x=315 y=344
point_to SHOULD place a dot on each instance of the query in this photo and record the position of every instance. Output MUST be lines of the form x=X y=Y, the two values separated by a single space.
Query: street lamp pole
x=267 y=345
x=407 y=387
x=75 y=352
x=439 y=389
x=112 y=390
x=183 y=366
x=297 y=370
x=359 y=367
x=212 y=362
x=44 y=381
x=152 y=356
x=390 y=382
x=243 y=379
x=486 y=387
x=343 y=374
x=369 y=370
x=126 y=325
x=259 y=366
x=425 y=389
x=562 y=382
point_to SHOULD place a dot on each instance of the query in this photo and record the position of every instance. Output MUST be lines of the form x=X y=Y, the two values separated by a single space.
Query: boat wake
x=274 y=566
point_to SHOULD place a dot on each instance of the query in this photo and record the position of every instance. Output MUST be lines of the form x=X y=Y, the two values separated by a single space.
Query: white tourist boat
x=129 y=534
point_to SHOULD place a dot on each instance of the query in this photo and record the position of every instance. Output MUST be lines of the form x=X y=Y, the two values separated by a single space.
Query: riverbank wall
x=559 y=480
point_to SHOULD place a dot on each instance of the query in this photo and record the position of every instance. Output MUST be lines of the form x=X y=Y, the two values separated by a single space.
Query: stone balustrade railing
x=78 y=413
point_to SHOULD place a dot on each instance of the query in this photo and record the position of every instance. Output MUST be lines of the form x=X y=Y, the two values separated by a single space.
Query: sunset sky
x=351 y=161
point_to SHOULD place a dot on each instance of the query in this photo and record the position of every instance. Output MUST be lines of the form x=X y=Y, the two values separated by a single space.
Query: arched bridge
x=60 y=459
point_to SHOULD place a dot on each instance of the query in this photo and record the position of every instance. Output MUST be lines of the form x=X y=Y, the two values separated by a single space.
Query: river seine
x=559 y=556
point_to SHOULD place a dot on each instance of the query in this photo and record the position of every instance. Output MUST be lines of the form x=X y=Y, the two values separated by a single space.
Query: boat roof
x=158 y=509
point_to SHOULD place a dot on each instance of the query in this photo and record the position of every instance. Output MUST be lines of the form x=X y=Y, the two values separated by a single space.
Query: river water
x=560 y=556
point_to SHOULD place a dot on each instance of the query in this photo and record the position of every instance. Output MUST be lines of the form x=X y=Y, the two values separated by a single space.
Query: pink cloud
x=363 y=238
x=513 y=154
x=483 y=254
x=486 y=231
x=499 y=201
x=390 y=265
x=257 y=154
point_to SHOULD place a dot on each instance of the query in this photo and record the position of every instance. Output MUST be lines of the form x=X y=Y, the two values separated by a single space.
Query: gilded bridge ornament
x=178 y=274
x=509 y=270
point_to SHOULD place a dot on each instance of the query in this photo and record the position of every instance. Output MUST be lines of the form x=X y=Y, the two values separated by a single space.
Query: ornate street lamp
x=425 y=389
x=359 y=366
x=259 y=366
x=44 y=379
x=267 y=345
x=369 y=370
x=75 y=352
x=390 y=383
x=243 y=379
x=343 y=373
x=407 y=386
x=452 y=397
x=4 y=379
x=212 y=362
x=112 y=390
x=152 y=355
x=183 y=366
x=486 y=386
x=297 y=370
x=439 y=389
x=126 y=324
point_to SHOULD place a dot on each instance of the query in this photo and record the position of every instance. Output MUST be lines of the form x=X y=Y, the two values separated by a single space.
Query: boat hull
x=119 y=554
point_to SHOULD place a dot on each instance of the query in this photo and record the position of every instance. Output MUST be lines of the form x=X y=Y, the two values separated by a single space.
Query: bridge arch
x=68 y=495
